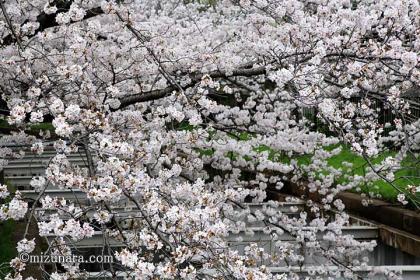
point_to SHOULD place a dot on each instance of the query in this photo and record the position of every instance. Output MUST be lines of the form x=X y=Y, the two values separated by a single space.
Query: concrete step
x=260 y=234
x=44 y=156
x=128 y=210
x=359 y=232
x=29 y=170
x=408 y=272
x=21 y=182
x=71 y=195
x=38 y=161
x=256 y=211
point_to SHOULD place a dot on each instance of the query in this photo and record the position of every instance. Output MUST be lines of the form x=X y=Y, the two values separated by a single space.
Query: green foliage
x=33 y=129
x=4 y=124
x=7 y=246
x=408 y=175
x=403 y=176
x=36 y=128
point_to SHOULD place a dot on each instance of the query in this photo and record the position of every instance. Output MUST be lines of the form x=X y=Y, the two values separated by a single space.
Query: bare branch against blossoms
x=47 y=20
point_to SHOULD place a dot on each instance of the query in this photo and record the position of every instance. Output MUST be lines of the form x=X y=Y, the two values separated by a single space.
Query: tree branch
x=48 y=20
x=160 y=93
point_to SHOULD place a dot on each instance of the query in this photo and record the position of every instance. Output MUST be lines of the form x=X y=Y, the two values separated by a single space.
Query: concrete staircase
x=19 y=173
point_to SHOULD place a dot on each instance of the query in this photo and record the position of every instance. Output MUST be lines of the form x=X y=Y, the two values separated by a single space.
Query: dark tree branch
x=160 y=93
x=47 y=21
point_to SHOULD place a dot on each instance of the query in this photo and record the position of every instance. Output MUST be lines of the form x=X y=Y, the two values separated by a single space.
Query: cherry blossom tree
x=187 y=110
